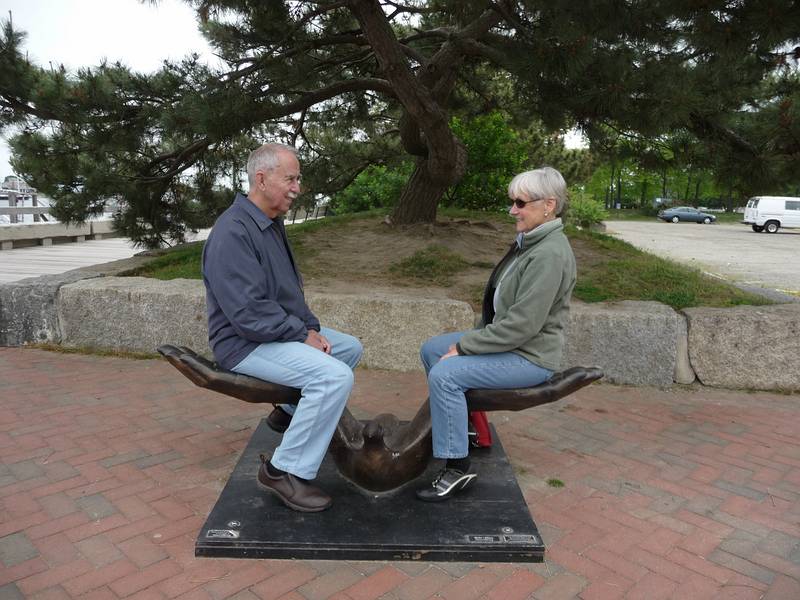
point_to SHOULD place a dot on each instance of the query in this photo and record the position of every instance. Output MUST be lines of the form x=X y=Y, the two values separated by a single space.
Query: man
x=259 y=324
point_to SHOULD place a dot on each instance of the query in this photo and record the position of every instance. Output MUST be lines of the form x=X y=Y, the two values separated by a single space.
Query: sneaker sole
x=452 y=492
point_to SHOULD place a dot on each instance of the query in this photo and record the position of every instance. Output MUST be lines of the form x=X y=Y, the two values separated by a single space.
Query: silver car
x=685 y=213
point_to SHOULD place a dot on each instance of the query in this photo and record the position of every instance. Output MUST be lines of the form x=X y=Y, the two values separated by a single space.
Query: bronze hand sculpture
x=384 y=453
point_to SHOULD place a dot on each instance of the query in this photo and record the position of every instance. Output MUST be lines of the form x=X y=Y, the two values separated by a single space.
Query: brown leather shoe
x=279 y=420
x=294 y=492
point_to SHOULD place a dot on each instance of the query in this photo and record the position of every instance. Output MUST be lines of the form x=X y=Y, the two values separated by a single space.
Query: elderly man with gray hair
x=260 y=325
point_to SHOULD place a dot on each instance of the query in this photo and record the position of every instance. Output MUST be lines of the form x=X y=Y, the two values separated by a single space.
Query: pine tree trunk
x=443 y=159
x=688 y=185
x=419 y=198
x=610 y=188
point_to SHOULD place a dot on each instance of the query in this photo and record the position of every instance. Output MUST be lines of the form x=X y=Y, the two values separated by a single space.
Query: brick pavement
x=110 y=466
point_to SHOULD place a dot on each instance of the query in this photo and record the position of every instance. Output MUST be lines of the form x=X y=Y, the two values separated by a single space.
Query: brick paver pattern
x=109 y=467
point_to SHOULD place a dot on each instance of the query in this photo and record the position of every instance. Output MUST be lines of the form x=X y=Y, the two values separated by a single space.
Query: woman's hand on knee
x=451 y=351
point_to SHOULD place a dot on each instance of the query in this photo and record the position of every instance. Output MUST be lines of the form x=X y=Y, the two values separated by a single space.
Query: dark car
x=685 y=213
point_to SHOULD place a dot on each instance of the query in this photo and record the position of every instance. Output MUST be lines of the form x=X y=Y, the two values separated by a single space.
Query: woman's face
x=533 y=213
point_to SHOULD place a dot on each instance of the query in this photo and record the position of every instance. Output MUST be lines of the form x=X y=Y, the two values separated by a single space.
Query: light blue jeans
x=325 y=381
x=449 y=379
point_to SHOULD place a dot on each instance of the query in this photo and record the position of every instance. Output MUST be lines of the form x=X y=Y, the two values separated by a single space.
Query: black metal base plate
x=488 y=522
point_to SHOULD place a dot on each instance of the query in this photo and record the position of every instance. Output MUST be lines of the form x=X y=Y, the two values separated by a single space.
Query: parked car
x=770 y=213
x=685 y=213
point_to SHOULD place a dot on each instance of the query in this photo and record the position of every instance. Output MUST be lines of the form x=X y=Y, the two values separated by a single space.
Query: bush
x=376 y=186
x=584 y=211
x=495 y=153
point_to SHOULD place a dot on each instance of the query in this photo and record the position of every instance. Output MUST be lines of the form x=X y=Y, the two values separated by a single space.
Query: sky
x=80 y=33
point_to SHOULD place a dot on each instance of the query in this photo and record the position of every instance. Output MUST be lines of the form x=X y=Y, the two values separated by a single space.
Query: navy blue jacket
x=254 y=292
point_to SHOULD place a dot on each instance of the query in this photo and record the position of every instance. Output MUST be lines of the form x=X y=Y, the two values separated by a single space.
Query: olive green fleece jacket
x=533 y=301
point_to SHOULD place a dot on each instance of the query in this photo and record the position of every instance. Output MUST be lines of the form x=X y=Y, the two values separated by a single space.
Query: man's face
x=281 y=185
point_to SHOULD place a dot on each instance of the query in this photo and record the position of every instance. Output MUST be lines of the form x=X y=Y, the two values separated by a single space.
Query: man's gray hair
x=265 y=158
x=545 y=182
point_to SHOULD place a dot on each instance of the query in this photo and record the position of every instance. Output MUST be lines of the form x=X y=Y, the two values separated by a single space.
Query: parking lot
x=732 y=252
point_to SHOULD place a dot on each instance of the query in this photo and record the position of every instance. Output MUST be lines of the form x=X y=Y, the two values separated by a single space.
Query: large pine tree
x=352 y=81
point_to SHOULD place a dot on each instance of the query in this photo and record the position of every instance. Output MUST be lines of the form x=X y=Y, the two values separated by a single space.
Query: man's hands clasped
x=316 y=340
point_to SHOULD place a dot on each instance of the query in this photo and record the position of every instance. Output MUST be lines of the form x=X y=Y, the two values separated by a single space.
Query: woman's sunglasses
x=521 y=203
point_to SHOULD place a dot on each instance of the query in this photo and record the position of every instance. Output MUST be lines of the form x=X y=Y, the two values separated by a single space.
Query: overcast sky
x=79 y=33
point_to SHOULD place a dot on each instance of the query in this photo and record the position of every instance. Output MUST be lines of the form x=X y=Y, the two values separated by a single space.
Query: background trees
x=360 y=82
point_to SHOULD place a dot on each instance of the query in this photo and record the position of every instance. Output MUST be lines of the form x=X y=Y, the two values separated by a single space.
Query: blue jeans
x=325 y=381
x=449 y=379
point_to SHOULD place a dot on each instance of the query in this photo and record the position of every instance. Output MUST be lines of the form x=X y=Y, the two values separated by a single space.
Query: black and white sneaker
x=446 y=484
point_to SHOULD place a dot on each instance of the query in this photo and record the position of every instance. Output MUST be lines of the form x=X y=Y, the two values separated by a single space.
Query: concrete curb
x=28 y=313
x=139 y=314
x=633 y=342
x=639 y=343
x=751 y=347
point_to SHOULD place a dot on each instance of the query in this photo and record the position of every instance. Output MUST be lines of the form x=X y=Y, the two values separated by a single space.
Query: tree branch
x=704 y=127
x=308 y=99
x=15 y=104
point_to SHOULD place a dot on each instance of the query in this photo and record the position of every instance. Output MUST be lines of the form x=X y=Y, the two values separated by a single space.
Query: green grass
x=180 y=262
x=555 y=483
x=435 y=264
x=627 y=214
x=631 y=274
x=335 y=222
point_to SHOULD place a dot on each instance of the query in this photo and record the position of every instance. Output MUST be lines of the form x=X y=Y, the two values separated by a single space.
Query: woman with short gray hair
x=520 y=338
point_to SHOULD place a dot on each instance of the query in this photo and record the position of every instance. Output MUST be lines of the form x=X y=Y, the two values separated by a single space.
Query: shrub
x=584 y=211
x=376 y=186
x=495 y=153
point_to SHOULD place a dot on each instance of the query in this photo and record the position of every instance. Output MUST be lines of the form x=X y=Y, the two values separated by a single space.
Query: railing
x=15 y=211
x=45 y=233
x=311 y=213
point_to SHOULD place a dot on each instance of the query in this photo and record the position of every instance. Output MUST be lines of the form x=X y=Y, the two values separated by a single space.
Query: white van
x=770 y=213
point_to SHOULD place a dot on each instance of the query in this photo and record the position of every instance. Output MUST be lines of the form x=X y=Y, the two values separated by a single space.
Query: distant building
x=15 y=184
x=23 y=195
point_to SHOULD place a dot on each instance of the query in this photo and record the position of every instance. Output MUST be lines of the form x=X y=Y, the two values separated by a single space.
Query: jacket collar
x=243 y=202
x=534 y=236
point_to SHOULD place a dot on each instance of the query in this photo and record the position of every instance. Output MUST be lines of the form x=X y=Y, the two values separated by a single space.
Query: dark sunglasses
x=521 y=203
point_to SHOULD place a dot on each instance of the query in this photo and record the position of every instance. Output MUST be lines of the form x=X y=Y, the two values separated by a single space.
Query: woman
x=520 y=338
